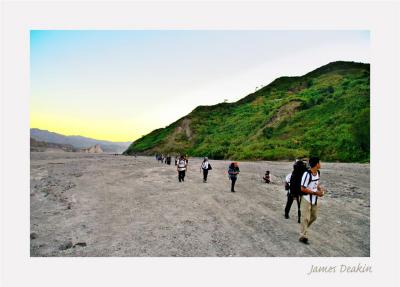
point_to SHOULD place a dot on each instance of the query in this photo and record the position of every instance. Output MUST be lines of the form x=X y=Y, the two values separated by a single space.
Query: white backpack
x=181 y=163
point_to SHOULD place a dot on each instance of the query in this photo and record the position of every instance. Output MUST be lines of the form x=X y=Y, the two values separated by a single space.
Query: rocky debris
x=77 y=174
x=55 y=187
x=66 y=245
x=82 y=244
x=68 y=186
x=34 y=235
x=167 y=219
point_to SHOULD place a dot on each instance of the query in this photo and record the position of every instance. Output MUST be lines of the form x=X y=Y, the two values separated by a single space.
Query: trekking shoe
x=286 y=216
x=304 y=240
x=298 y=221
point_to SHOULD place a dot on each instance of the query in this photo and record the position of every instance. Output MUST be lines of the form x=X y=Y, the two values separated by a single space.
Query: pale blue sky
x=119 y=85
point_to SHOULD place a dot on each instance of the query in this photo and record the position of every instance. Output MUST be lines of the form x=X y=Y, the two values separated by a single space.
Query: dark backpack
x=232 y=172
x=287 y=186
x=299 y=168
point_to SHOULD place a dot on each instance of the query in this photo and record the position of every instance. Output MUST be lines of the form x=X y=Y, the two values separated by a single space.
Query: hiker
x=233 y=172
x=181 y=168
x=293 y=186
x=168 y=159
x=310 y=191
x=267 y=177
x=205 y=166
x=176 y=160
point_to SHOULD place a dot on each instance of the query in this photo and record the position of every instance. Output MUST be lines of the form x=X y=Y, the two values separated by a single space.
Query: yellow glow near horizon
x=110 y=130
x=120 y=85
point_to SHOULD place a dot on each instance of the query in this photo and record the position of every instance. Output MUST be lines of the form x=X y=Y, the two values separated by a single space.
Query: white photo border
x=19 y=269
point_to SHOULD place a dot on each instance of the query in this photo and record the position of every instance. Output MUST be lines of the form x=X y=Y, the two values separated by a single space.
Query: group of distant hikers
x=302 y=185
x=163 y=158
x=182 y=161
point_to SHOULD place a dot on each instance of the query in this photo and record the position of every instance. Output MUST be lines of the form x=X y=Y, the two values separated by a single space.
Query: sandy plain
x=94 y=205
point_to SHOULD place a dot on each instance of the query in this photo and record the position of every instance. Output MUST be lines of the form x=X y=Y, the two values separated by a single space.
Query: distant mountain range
x=325 y=113
x=78 y=142
x=40 y=146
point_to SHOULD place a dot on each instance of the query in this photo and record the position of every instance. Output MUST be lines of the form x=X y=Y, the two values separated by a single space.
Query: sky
x=119 y=85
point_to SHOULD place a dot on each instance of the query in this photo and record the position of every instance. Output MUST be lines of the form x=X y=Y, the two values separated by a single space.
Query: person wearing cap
x=311 y=190
x=205 y=166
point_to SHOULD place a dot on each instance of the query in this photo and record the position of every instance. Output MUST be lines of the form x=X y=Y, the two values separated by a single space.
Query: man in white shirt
x=205 y=166
x=311 y=190
x=181 y=168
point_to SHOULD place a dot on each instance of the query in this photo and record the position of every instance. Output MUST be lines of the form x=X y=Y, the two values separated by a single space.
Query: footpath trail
x=107 y=205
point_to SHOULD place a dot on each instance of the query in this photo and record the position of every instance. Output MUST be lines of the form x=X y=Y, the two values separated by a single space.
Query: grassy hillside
x=325 y=112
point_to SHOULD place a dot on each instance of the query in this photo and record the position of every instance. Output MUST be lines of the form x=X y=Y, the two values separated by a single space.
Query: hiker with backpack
x=310 y=191
x=233 y=172
x=181 y=168
x=293 y=186
x=205 y=166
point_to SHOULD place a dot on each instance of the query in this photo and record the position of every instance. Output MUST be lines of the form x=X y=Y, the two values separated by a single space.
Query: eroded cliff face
x=94 y=149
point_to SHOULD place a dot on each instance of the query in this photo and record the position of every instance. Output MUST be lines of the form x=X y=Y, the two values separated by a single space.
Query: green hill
x=325 y=112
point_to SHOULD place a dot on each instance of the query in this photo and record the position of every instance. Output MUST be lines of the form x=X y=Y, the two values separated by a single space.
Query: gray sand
x=106 y=205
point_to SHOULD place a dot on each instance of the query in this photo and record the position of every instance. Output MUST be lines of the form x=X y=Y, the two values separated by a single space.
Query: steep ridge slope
x=325 y=112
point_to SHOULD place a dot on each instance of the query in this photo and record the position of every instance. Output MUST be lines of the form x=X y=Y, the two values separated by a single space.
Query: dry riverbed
x=107 y=205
